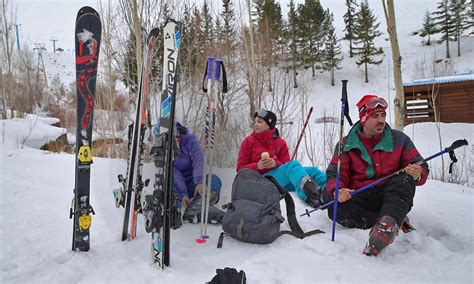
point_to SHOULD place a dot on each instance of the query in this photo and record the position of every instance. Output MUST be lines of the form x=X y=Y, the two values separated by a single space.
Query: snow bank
x=32 y=131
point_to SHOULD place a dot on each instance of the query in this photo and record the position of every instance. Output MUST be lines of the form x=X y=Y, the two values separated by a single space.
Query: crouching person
x=188 y=181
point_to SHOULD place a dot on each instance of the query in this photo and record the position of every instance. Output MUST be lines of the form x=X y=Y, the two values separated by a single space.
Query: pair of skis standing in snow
x=160 y=209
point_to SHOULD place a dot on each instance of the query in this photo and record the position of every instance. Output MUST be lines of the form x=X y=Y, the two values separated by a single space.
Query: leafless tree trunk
x=282 y=100
x=108 y=54
x=7 y=58
x=136 y=22
x=251 y=72
x=435 y=100
x=4 y=103
x=399 y=101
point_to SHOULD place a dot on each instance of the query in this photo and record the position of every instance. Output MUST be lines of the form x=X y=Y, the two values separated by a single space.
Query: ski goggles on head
x=375 y=103
x=260 y=113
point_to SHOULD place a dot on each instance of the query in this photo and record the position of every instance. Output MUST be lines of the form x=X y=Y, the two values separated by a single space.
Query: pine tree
x=459 y=10
x=218 y=30
x=293 y=41
x=332 y=51
x=228 y=32
x=442 y=20
x=311 y=18
x=429 y=27
x=349 y=20
x=366 y=30
x=471 y=21
x=207 y=27
x=270 y=32
x=190 y=42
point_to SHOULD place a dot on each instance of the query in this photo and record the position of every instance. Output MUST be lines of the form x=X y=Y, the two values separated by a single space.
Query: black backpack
x=254 y=213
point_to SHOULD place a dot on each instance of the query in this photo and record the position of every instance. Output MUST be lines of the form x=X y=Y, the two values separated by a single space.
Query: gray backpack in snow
x=254 y=214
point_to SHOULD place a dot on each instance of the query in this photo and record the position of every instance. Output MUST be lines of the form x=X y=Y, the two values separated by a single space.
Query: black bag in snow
x=254 y=213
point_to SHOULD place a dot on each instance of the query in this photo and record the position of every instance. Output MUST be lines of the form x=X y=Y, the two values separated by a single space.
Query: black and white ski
x=87 y=38
x=159 y=208
x=128 y=195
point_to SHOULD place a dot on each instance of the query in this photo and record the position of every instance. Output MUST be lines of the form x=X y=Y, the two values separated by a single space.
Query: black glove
x=229 y=276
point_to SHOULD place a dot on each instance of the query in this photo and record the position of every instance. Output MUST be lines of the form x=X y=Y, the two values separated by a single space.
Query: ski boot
x=313 y=192
x=192 y=213
x=381 y=235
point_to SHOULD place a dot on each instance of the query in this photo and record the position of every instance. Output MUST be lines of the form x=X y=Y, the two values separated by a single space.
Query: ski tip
x=86 y=10
x=201 y=241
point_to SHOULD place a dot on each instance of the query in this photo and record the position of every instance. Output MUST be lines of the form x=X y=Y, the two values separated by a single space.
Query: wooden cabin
x=451 y=96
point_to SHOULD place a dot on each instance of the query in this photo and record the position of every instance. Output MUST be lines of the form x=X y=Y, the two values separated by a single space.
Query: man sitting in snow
x=373 y=150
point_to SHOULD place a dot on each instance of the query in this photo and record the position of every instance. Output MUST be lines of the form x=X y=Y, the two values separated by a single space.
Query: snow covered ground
x=36 y=234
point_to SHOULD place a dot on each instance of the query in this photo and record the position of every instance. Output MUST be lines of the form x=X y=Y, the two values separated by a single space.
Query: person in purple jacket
x=188 y=169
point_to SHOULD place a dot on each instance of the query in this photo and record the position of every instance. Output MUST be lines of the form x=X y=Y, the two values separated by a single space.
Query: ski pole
x=214 y=97
x=344 y=111
x=209 y=91
x=302 y=132
x=456 y=144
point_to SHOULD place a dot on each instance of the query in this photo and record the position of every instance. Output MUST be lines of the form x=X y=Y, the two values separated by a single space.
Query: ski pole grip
x=207 y=73
x=225 y=88
x=344 y=88
x=210 y=65
x=346 y=102
x=218 y=69
x=456 y=144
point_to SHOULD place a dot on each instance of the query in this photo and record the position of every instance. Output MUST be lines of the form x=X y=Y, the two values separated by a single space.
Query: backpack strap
x=291 y=214
x=221 y=239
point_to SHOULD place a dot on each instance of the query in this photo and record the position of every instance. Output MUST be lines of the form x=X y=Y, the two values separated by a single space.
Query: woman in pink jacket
x=266 y=152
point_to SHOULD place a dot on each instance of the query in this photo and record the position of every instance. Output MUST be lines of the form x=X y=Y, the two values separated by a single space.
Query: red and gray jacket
x=365 y=160
x=255 y=144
